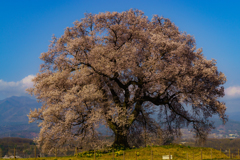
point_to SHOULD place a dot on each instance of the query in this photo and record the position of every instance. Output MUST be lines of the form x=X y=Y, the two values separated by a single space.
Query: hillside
x=25 y=148
x=8 y=144
x=230 y=130
x=13 y=117
x=225 y=145
x=14 y=120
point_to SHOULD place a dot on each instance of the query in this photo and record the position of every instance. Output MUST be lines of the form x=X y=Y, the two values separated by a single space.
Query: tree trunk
x=120 y=140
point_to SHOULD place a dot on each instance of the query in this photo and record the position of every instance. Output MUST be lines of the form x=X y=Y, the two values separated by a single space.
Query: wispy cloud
x=8 y=89
x=232 y=92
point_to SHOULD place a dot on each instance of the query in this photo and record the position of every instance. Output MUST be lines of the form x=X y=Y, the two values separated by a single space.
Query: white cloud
x=27 y=81
x=233 y=92
x=8 y=89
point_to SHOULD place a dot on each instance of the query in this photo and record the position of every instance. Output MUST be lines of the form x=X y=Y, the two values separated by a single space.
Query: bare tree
x=118 y=69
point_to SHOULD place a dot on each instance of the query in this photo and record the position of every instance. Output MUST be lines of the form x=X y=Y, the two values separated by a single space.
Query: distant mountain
x=230 y=124
x=13 y=117
x=14 y=120
x=235 y=116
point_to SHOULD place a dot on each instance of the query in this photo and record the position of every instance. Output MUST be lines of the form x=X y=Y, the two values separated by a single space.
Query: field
x=178 y=152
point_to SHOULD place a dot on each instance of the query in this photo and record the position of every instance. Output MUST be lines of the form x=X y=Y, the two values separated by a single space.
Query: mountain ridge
x=13 y=117
x=14 y=120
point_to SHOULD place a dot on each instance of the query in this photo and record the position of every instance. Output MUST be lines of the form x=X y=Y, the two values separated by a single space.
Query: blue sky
x=26 y=27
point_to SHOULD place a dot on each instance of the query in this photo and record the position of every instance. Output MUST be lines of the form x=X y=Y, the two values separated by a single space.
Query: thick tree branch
x=156 y=100
x=179 y=113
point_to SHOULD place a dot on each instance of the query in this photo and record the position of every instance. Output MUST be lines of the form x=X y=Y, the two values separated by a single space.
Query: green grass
x=179 y=152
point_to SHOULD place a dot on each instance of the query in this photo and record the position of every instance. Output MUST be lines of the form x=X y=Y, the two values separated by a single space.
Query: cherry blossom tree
x=119 y=69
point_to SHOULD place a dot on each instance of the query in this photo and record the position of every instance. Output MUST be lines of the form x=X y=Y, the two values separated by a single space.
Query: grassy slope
x=178 y=152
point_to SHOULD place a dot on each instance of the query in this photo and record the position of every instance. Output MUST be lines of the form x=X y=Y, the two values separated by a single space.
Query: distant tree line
x=223 y=144
x=23 y=146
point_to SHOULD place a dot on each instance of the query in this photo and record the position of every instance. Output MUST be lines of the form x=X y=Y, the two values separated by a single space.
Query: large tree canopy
x=118 y=69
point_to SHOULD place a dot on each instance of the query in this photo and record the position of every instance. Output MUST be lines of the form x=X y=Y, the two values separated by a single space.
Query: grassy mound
x=178 y=152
